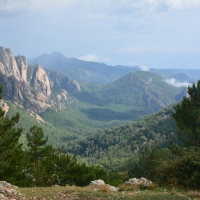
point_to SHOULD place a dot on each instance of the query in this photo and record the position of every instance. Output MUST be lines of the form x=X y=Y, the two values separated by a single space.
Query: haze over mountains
x=74 y=109
x=94 y=72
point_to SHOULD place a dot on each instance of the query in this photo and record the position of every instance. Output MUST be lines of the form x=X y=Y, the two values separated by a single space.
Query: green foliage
x=187 y=117
x=9 y=146
x=35 y=141
x=38 y=174
x=184 y=171
x=148 y=161
x=117 y=148
x=64 y=169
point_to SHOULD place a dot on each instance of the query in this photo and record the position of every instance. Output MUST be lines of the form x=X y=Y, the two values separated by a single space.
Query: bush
x=184 y=171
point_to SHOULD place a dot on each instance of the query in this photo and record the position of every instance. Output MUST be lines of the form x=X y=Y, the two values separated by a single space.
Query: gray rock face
x=41 y=81
x=13 y=66
x=8 y=64
x=22 y=66
x=97 y=182
x=32 y=87
x=6 y=190
x=101 y=182
x=142 y=181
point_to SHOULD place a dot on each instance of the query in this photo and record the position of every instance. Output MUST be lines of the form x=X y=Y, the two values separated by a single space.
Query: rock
x=113 y=188
x=4 y=106
x=8 y=64
x=6 y=190
x=101 y=182
x=41 y=81
x=3 y=197
x=97 y=182
x=22 y=66
x=142 y=181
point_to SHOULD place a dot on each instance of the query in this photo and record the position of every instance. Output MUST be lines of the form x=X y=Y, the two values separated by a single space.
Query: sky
x=147 y=33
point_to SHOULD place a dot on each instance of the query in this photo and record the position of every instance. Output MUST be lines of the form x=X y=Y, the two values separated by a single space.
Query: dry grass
x=104 y=188
x=96 y=193
x=128 y=187
x=194 y=194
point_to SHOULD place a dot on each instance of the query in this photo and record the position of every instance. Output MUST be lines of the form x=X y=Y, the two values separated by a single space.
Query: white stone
x=142 y=181
x=3 y=197
x=97 y=182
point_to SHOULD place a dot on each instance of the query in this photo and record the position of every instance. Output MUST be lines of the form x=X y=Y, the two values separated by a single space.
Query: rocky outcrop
x=22 y=66
x=13 y=66
x=4 y=106
x=41 y=81
x=142 y=181
x=64 y=82
x=15 y=90
x=8 y=64
x=101 y=182
x=7 y=191
x=32 y=86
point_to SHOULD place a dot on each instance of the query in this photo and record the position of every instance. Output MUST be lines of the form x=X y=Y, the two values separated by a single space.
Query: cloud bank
x=143 y=68
x=93 y=57
x=173 y=82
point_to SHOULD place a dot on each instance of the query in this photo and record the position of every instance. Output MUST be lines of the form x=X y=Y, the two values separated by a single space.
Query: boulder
x=97 y=182
x=142 y=181
x=6 y=190
x=113 y=188
x=3 y=197
x=101 y=182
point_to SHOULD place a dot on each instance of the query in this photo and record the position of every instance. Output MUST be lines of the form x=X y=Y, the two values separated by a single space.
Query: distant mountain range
x=94 y=72
x=67 y=109
x=80 y=70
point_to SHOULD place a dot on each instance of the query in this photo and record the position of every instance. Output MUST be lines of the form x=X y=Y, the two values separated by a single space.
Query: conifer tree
x=36 y=141
x=187 y=117
x=9 y=136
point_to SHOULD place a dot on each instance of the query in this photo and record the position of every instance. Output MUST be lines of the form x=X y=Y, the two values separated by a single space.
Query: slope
x=80 y=70
x=120 y=145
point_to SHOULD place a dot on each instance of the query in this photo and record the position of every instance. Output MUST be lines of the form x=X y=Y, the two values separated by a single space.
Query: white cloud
x=94 y=58
x=173 y=82
x=143 y=68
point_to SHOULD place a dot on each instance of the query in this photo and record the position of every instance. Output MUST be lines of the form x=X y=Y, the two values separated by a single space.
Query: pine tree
x=187 y=117
x=36 y=142
x=9 y=137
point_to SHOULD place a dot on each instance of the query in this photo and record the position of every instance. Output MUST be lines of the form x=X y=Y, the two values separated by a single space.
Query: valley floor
x=100 y=193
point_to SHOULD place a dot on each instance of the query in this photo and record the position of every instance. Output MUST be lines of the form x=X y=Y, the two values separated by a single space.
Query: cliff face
x=22 y=66
x=8 y=64
x=41 y=81
x=32 y=87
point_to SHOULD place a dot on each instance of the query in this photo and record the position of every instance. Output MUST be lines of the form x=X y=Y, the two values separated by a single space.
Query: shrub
x=104 y=188
x=184 y=171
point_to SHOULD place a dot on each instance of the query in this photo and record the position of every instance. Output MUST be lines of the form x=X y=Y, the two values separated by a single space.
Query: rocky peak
x=22 y=66
x=41 y=81
x=8 y=64
x=8 y=50
x=13 y=66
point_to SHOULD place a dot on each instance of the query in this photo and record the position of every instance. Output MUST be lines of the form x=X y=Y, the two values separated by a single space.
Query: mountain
x=79 y=70
x=118 y=147
x=68 y=109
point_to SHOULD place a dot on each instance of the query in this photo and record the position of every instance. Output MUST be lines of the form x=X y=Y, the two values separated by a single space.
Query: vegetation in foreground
x=101 y=192
x=42 y=165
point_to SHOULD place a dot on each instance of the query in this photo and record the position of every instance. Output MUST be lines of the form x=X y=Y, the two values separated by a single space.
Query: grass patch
x=99 y=193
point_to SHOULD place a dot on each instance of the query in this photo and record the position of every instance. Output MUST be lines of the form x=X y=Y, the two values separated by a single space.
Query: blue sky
x=152 y=33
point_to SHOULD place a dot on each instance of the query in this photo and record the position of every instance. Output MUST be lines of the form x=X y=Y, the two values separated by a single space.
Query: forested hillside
x=118 y=147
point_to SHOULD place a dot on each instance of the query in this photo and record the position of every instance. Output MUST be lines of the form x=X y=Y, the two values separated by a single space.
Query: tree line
x=179 y=165
x=40 y=164
x=43 y=165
